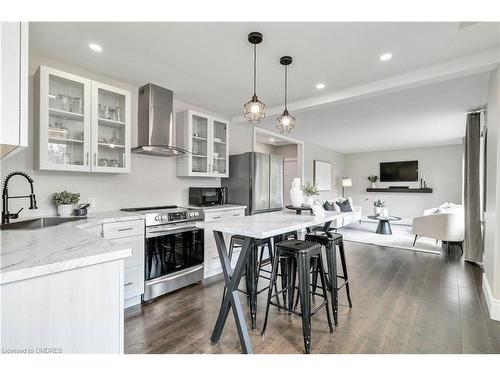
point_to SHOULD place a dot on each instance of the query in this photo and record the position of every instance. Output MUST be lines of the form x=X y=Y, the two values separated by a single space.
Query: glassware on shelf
x=115 y=139
x=77 y=105
x=103 y=111
x=112 y=114
x=118 y=114
x=62 y=102
x=52 y=101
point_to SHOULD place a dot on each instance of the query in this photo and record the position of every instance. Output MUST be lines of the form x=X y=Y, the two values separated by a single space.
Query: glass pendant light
x=286 y=122
x=254 y=111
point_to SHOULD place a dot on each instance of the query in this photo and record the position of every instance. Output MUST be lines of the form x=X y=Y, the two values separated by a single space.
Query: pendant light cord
x=286 y=87
x=254 y=70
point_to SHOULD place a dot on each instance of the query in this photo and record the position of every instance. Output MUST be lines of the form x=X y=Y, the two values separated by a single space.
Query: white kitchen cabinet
x=13 y=87
x=207 y=139
x=74 y=311
x=212 y=264
x=129 y=234
x=83 y=125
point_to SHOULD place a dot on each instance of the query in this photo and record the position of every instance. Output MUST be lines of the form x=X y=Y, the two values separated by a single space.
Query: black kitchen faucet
x=6 y=216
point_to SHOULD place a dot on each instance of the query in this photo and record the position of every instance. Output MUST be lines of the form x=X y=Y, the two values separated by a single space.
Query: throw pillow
x=344 y=206
x=329 y=206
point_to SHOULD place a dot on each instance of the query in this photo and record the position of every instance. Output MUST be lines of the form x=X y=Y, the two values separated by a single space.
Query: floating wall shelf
x=398 y=190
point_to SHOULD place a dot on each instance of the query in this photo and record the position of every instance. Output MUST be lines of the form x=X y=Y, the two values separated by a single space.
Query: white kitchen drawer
x=235 y=213
x=213 y=216
x=123 y=229
x=136 y=243
x=133 y=281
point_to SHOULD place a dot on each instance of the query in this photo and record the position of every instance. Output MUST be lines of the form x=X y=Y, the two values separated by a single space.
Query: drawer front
x=136 y=243
x=235 y=213
x=123 y=229
x=213 y=216
x=133 y=281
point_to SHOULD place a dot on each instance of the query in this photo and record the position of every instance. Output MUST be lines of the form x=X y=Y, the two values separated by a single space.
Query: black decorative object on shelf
x=300 y=209
x=399 y=190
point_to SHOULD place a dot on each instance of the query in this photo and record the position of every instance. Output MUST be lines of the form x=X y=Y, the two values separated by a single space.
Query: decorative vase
x=384 y=212
x=296 y=195
x=377 y=210
x=374 y=185
x=309 y=201
x=64 y=209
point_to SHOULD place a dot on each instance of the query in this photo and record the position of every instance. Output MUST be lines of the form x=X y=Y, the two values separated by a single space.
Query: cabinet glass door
x=67 y=128
x=219 y=147
x=110 y=129
x=199 y=142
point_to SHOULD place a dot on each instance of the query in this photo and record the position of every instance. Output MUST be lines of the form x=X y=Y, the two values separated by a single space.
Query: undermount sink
x=39 y=223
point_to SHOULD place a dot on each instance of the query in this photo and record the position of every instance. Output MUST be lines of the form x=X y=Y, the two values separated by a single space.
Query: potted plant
x=373 y=179
x=64 y=202
x=309 y=189
x=377 y=207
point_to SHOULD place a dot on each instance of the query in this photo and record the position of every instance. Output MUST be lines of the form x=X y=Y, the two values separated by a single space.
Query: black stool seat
x=331 y=241
x=302 y=253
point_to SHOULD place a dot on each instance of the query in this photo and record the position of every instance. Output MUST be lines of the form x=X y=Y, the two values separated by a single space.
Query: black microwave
x=209 y=196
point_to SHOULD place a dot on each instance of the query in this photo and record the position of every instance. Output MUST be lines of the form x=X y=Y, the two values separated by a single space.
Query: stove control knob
x=158 y=218
x=164 y=217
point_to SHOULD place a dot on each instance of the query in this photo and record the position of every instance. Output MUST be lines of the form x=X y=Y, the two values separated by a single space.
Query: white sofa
x=445 y=223
x=351 y=217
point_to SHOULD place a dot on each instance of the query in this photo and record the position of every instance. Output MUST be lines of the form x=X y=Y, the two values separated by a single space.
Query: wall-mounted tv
x=399 y=171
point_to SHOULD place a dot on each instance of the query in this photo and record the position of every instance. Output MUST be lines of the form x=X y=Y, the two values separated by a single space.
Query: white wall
x=151 y=182
x=442 y=166
x=315 y=152
x=491 y=233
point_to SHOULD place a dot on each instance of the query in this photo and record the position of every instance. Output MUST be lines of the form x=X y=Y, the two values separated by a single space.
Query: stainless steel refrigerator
x=255 y=180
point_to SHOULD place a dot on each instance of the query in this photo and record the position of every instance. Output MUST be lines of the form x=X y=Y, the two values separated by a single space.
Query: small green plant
x=65 y=197
x=310 y=189
x=379 y=203
x=373 y=178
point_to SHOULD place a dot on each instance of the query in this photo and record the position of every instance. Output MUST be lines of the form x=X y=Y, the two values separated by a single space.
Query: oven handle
x=168 y=278
x=164 y=232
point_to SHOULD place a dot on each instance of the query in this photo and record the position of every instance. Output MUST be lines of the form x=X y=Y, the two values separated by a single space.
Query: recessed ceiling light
x=320 y=86
x=385 y=56
x=95 y=47
x=271 y=139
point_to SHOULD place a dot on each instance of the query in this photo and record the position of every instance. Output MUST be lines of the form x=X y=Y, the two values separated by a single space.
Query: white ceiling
x=209 y=65
x=425 y=116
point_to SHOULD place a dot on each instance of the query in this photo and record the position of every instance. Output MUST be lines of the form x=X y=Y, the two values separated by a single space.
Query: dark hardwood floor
x=403 y=302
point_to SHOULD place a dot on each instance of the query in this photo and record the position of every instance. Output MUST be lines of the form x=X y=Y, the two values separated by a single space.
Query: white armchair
x=445 y=224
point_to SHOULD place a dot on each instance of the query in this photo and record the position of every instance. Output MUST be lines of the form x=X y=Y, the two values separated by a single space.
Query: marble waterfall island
x=62 y=288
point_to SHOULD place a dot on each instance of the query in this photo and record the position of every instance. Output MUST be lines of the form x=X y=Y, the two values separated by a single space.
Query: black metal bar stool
x=331 y=241
x=287 y=272
x=253 y=269
x=302 y=253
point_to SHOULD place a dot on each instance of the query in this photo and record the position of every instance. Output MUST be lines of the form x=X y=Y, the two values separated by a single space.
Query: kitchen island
x=258 y=226
x=62 y=287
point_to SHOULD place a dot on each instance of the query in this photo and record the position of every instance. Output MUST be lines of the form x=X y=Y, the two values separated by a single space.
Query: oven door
x=172 y=249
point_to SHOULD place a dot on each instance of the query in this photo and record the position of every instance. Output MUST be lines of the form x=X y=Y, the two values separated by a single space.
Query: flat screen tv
x=399 y=171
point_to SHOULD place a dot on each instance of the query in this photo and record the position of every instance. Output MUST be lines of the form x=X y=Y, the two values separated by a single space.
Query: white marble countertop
x=35 y=252
x=219 y=207
x=268 y=224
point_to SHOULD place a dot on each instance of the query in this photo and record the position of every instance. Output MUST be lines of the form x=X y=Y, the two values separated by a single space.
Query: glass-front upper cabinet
x=206 y=139
x=64 y=126
x=110 y=128
x=219 y=138
x=84 y=125
x=199 y=143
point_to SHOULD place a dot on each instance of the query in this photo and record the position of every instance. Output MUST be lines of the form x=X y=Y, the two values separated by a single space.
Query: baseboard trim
x=492 y=303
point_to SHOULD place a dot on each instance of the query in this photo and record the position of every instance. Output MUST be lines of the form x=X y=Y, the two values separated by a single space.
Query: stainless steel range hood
x=155 y=133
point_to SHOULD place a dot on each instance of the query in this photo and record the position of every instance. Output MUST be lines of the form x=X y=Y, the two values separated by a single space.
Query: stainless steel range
x=173 y=248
